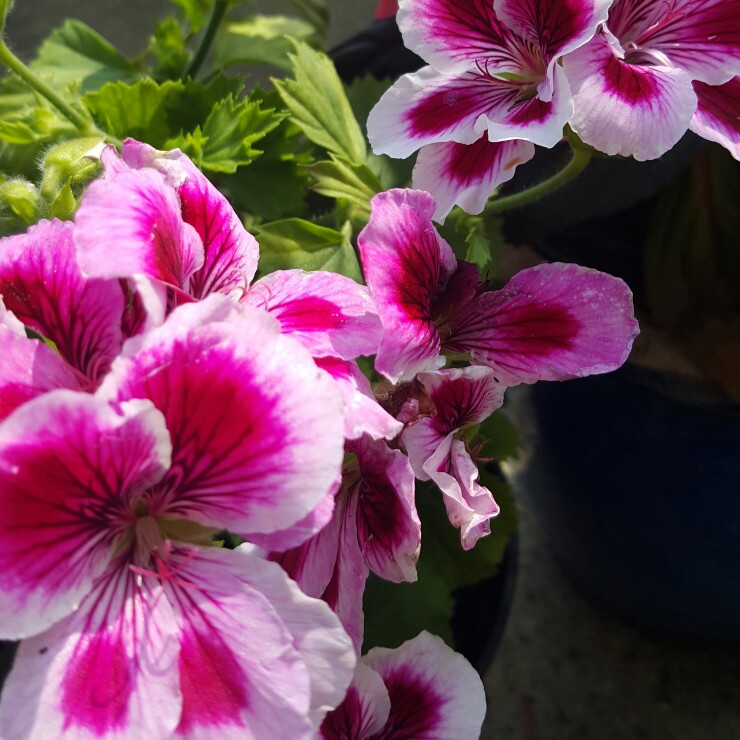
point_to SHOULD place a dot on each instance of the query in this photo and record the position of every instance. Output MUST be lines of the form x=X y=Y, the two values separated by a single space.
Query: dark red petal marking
x=213 y=683
x=415 y=707
x=98 y=685
x=629 y=82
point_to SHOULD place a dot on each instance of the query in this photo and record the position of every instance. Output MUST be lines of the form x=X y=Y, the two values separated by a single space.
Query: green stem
x=84 y=125
x=581 y=157
x=219 y=11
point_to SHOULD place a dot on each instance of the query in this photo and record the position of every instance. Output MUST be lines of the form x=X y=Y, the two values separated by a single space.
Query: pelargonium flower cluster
x=628 y=76
x=154 y=395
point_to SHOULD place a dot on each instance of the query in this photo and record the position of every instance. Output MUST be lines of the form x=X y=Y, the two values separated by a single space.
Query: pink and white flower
x=375 y=527
x=422 y=689
x=462 y=397
x=132 y=622
x=550 y=322
x=632 y=84
x=493 y=69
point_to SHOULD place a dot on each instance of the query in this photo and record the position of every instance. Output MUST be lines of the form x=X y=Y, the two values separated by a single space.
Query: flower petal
x=406 y=264
x=452 y=37
x=388 y=527
x=42 y=285
x=254 y=650
x=317 y=634
x=434 y=692
x=29 y=368
x=329 y=314
x=362 y=413
x=717 y=116
x=556 y=26
x=701 y=38
x=466 y=175
x=68 y=463
x=550 y=322
x=363 y=712
x=131 y=224
x=628 y=109
x=461 y=397
x=257 y=429
x=346 y=588
x=107 y=670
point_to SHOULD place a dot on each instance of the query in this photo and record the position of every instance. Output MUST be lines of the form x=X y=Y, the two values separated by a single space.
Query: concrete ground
x=564 y=671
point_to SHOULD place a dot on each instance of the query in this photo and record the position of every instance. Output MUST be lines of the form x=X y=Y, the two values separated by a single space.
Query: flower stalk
x=580 y=159
x=219 y=11
x=84 y=125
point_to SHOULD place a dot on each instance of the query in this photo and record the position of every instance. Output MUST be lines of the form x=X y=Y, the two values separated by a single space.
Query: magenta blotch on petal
x=364 y=711
x=68 y=463
x=434 y=692
x=135 y=216
x=42 y=285
x=717 y=116
x=628 y=109
x=407 y=265
x=466 y=175
x=257 y=429
x=329 y=314
x=550 y=322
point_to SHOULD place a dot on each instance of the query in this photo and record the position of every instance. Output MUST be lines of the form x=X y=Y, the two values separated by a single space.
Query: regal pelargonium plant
x=239 y=363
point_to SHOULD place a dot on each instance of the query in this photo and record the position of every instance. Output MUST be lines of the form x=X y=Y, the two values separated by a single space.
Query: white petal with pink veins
x=628 y=109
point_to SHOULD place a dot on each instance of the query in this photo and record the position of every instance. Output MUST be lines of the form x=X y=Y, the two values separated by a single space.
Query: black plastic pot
x=634 y=478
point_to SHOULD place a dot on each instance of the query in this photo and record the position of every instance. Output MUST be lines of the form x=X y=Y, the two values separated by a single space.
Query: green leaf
x=168 y=46
x=424 y=605
x=315 y=12
x=195 y=11
x=260 y=39
x=441 y=548
x=501 y=437
x=277 y=170
x=295 y=243
x=341 y=179
x=317 y=100
x=75 y=53
x=228 y=134
x=64 y=203
x=140 y=110
x=33 y=126
x=156 y=112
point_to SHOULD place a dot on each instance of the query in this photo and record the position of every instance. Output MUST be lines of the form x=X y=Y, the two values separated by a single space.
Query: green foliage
x=502 y=439
x=74 y=53
x=315 y=12
x=317 y=100
x=168 y=45
x=225 y=141
x=295 y=243
x=196 y=11
x=260 y=39
x=476 y=238
x=341 y=179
